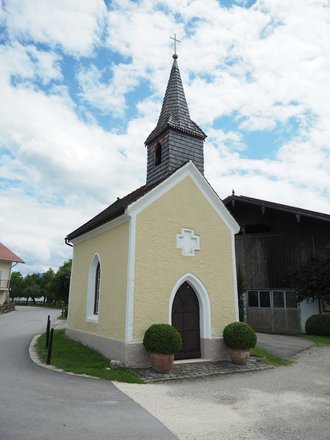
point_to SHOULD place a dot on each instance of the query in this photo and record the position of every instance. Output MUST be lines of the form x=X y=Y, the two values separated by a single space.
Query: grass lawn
x=318 y=340
x=74 y=357
x=269 y=358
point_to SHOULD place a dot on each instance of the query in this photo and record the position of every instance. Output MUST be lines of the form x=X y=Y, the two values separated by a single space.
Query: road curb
x=35 y=359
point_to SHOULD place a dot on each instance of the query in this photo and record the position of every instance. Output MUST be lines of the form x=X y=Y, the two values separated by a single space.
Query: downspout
x=67 y=241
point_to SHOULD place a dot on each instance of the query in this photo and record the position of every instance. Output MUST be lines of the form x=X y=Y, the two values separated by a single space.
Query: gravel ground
x=289 y=403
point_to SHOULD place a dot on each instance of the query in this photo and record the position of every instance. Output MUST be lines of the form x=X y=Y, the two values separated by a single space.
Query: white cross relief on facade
x=188 y=242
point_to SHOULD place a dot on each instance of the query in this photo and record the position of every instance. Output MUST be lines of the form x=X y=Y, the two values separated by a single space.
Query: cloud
x=60 y=151
x=35 y=231
x=72 y=125
x=21 y=63
x=141 y=31
x=74 y=26
x=109 y=95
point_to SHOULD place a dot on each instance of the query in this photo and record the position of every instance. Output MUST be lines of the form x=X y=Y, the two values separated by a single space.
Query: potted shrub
x=162 y=341
x=239 y=338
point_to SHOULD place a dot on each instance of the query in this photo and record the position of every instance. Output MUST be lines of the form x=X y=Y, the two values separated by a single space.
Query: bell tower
x=176 y=139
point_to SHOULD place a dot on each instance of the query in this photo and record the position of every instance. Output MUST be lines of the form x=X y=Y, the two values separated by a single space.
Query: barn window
x=278 y=298
x=158 y=154
x=264 y=298
x=253 y=298
x=291 y=300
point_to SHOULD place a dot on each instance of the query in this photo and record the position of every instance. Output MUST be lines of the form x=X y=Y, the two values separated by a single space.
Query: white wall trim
x=130 y=280
x=103 y=228
x=203 y=299
x=70 y=287
x=233 y=254
x=91 y=289
x=187 y=170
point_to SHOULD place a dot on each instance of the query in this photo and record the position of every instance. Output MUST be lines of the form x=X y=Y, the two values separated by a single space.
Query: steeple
x=176 y=139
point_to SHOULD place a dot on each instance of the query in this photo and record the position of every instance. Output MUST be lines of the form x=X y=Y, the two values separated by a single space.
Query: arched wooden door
x=185 y=318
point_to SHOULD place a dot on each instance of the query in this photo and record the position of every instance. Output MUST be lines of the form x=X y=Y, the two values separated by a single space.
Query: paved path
x=282 y=345
x=39 y=404
x=199 y=370
x=284 y=403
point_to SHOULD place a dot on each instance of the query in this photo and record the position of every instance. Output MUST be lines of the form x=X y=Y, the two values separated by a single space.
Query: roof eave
x=96 y=230
x=279 y=207
x=156 y=133
x=84 y=229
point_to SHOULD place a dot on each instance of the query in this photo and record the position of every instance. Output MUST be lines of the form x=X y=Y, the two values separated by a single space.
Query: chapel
x=165 y=253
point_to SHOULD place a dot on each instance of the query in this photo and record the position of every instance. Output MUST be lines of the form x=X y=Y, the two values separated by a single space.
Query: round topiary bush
x=162 y=338
x=318 y=325
x=239 y=335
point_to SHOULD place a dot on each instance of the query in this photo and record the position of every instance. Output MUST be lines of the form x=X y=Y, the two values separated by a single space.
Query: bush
x=162 y=338
x=239 y=335
x=318 y=325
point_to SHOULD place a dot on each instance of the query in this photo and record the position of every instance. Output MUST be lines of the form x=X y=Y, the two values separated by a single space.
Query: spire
x=176 y=139
x=174 y=113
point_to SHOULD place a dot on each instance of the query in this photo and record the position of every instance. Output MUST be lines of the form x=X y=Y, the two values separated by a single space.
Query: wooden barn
x=275 y=239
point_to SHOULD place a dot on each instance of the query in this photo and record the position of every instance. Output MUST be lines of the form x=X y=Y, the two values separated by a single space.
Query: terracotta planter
x=161 y=363
x=239 y=356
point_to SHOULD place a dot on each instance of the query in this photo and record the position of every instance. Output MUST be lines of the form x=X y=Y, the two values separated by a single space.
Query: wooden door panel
x=185 y=318
x=177 y=321
x=191 y=321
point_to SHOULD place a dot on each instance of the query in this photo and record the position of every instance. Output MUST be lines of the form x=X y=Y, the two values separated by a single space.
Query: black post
x=50 y=346
x=47 y=331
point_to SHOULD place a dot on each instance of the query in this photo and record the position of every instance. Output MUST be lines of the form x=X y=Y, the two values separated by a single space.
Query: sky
x=81 y=88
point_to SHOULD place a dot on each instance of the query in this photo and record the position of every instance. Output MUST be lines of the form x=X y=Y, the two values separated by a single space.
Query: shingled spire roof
x=175 y=113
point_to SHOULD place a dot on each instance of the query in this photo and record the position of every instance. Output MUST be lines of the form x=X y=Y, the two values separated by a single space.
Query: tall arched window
x=93 y=289
x=97 y=289
x=158 y=154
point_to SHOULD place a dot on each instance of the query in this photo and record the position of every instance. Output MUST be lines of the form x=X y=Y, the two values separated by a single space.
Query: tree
x=313 y=278
x=53 y=287
x=46 y=285
x=32 y=287
x=61 y=282
x=16 y=285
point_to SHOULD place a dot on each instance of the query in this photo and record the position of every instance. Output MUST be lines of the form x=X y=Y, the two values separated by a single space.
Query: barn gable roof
x=277 y=206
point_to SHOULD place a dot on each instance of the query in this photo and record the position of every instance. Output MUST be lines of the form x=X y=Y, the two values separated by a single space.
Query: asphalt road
x=36 y=403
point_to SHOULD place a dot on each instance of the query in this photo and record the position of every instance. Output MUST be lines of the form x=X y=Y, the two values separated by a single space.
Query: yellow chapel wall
x=112 y=248
x=159 y=264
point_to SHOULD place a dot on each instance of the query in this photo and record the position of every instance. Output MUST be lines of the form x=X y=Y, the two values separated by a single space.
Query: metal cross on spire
x=175 y=41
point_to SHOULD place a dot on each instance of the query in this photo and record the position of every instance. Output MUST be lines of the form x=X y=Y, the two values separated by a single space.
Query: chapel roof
x=113 y=211
x=174 y=113
x=119 y=207
x=7 y=255
x=277 y=206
